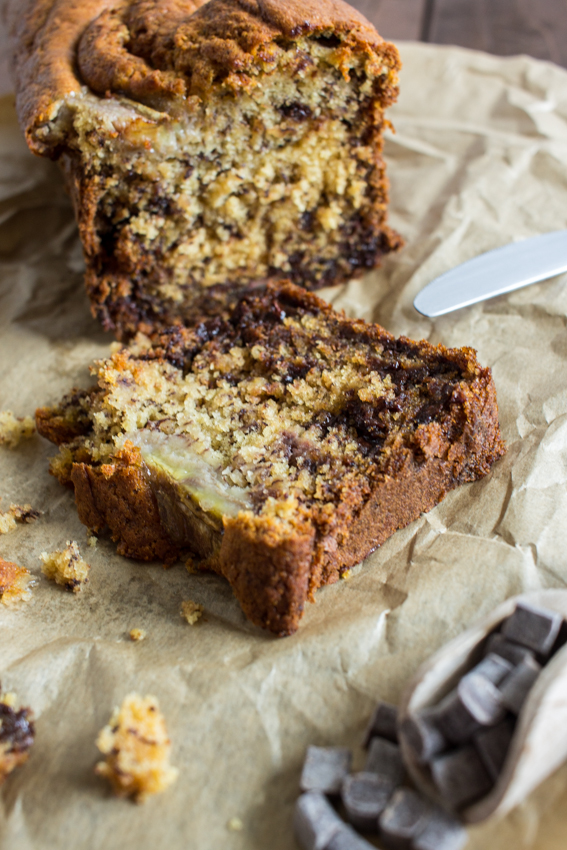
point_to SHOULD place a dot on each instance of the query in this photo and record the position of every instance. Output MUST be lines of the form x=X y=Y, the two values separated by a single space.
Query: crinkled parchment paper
x=479 y=159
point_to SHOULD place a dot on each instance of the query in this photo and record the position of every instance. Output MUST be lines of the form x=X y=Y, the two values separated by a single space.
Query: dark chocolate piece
x=533 y=627
x=481 y=698
x=493 y=744
x=324 y=769
x=365 y=796
x=454 y=720
x=315 y=821
x=442 y=832
x=383 y=723
x=385 y=759
x=518 y=684
x=348 y=839
x=493 y=667
x=404 y=818
x=560 y=640
x=460 y=777
x=423 y=735
x=507 y=649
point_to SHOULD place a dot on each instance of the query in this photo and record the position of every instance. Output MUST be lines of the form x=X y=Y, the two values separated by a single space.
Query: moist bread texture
x=209 y=147
x=281 y=446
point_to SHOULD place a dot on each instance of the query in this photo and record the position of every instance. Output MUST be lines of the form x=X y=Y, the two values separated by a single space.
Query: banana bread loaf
x=209 y=146
x=281 y=446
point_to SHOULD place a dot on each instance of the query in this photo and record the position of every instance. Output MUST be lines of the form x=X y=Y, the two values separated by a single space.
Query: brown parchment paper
x=479 y=159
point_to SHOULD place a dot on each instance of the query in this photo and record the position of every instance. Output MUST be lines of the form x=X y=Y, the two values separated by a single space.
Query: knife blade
x=495 y=273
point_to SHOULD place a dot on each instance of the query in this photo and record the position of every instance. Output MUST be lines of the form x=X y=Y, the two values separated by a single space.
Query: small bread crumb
x=190 y=565
x=16 y=734
x=17 y=513
x=192 y=611
x=136 y=749
x=92 y=541
x=15 y=583
x=7 y=523
x=235 y=825
x=137 y=634
x=346 y=575
x=66 y=567
x=13 y=429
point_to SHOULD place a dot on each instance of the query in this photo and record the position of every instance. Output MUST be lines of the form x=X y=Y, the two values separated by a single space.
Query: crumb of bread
x=192 y=611
x=7 y=522
x=92 y=541
x=235 y=825
x=15 y=583
x=136 y=749
x=137 y=634
x=16 y=734
x=66 y=567
x=191 y=566
x=17 y=514
x=346 y=575
x=15 y=428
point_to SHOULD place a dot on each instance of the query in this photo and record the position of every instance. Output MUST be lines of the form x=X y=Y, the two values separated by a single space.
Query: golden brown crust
x=119 y=496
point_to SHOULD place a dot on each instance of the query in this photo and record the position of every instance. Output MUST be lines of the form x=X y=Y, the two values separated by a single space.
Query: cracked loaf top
x=159 y=54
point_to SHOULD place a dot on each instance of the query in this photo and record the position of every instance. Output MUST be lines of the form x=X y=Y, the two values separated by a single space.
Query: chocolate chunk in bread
x=209 y=146
x=282 y=446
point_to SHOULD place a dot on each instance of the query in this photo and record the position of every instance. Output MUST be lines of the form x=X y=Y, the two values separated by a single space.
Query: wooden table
x=504 y=27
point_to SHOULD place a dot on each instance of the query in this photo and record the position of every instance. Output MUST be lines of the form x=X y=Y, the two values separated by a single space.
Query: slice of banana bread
x=209 y=146
x=282 y=446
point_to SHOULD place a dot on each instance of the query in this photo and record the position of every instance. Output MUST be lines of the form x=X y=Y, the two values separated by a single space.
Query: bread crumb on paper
x=235 y=825
x=15 y=583
x=192 y=611
x=136 y=749
x=17 y=514
x=66 y=567
x=346 y=575
x=16 y=734
x=14 y=429
x=137 y=634
x=92 y=541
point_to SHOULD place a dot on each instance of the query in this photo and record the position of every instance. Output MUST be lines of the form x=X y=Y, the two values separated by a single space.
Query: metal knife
x=495 y=273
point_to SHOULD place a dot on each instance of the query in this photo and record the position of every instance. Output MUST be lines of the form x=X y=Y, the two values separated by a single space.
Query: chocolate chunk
x=533 y=627
x=460 y=777
x=442 y=832
x=404 y=818
x=315 y=821
x=423 y=736
x=347 y=839
x=518 y=683
x=493 y=744
x=324 y=769
x=383 y=723
x=560 y=640
x=505 y=648
x=454 y=720
x=481 y=698
x=493 y=667
x=365 y=796
x=385 y=759
x=476 y=702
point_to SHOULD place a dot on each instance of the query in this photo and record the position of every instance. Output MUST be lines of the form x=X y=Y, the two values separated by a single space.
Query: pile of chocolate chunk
x=463 y=741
